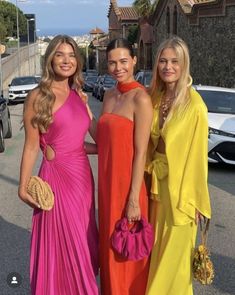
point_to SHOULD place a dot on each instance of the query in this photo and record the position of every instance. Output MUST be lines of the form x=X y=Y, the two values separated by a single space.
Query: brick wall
x=115 y=30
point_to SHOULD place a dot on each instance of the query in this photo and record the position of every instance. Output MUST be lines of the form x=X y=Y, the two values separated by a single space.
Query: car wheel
x=9 y=131
x=2 y=144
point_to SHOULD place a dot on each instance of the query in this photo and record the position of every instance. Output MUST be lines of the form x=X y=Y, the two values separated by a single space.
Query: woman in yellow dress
x=177 y=163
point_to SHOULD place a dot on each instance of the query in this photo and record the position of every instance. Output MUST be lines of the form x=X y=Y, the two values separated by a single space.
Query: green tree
x=3 y=31
x=8 y=20
x=132 y=33
x=145 y=7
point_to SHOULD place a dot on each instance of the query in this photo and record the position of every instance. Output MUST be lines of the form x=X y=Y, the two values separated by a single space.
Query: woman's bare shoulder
x=141 y=96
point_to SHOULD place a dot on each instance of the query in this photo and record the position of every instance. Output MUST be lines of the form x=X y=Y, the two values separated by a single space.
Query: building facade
x=120 y=19
x=145 y=43
x=208 y=27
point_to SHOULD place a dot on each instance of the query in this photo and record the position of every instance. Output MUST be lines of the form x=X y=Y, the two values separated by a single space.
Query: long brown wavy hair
x=157 y=86
x=45 y=99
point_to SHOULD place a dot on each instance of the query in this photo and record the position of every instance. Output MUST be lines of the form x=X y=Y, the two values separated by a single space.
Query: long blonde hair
x=46 y=98
x=157 y=86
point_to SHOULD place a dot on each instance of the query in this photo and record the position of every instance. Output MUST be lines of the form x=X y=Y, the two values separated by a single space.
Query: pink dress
x=64 y=245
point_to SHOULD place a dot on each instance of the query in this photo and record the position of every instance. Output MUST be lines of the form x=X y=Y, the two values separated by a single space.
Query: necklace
x=165 y=107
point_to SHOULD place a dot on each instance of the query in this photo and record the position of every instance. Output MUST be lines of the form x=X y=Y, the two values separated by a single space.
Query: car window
x=219 y=101
x=144 y=78
x=23 y=81
x=91 y=78
x=109 y=81
x=92 y=72
x=38 y=78
x=138 y=78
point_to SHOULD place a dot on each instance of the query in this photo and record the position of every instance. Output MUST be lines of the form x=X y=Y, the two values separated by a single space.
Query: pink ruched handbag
x=133 y=243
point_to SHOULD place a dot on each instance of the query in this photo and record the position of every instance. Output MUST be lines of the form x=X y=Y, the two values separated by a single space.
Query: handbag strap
x=204 y=231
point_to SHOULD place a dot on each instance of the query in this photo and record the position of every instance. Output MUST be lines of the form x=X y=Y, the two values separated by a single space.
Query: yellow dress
x=179 y=186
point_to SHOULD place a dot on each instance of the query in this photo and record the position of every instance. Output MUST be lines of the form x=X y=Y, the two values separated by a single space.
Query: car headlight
x=220 y=132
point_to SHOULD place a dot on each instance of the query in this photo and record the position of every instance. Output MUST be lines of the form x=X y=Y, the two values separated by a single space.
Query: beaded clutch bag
x=203 y=269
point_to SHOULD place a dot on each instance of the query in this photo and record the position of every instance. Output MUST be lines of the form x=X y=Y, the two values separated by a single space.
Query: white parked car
x=221 y=118
x=20 y=86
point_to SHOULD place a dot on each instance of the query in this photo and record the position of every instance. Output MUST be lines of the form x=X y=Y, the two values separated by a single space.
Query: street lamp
x=29 y=20
x=18 y=35
x=87 y=56
x=18 y=38
x=97 y=58
x=36 y=53
x=2 y=50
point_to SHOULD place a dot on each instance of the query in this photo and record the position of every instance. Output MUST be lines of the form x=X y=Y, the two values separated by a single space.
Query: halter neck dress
x=115 y=156
x=64 y=245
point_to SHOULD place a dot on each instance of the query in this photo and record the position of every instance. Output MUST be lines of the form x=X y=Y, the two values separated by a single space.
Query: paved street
x=15 y=218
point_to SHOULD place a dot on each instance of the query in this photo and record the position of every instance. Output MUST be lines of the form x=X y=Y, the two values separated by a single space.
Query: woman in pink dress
x=64 y=256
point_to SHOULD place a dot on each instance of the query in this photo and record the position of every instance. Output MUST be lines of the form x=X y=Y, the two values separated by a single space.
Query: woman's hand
x=25 y=197
x=133 y=212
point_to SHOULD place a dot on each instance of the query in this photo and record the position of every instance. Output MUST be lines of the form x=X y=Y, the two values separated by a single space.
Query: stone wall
x=211 y=43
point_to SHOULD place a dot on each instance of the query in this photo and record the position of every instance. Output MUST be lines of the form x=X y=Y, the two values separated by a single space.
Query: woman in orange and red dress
x=122 y=137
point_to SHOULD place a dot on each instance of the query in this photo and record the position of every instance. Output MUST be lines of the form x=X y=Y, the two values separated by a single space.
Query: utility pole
x=18 y=38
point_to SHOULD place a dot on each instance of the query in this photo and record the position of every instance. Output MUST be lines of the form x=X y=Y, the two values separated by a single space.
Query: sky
x=74 y=17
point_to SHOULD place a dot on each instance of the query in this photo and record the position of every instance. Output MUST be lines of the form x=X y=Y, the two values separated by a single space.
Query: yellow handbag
x=203 y=269
x=41 y=192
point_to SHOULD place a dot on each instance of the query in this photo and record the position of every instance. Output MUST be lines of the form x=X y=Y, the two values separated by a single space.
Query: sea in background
x=67 y=31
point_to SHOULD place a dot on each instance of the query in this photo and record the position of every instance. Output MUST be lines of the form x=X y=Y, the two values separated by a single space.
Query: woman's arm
x=30 y=151
x=93 y=124
x=143 y=114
